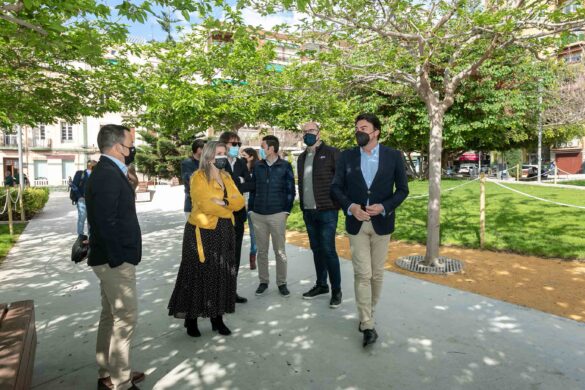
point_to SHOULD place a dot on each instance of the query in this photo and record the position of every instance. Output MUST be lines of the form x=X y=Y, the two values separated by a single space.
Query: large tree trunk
x=436 y=116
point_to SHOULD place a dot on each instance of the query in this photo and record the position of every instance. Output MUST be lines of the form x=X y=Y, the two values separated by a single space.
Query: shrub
x=34 y=199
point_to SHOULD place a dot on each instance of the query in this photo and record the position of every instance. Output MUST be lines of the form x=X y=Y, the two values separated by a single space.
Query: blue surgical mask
x=233 y=152
x=262 y=154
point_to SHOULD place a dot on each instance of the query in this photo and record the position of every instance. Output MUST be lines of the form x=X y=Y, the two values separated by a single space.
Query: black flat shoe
x=240 y=299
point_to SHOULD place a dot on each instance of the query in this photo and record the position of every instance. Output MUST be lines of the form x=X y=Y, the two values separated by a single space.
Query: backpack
x=74 y=193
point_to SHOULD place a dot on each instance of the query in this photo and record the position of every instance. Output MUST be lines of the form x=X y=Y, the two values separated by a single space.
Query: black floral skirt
x=206 y=289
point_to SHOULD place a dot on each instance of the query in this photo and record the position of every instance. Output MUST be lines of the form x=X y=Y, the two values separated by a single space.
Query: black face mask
x=220 y=162
x=129 y=159
x=362 y=138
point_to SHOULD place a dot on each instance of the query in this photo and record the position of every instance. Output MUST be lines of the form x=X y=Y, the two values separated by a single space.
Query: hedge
x=34 y=200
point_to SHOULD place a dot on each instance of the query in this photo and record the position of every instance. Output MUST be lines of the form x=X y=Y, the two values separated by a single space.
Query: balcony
x=10 y=141
x=41 y=143
x=573 y=145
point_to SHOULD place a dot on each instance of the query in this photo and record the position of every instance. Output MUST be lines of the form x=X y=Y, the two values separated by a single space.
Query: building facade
x=52 y=153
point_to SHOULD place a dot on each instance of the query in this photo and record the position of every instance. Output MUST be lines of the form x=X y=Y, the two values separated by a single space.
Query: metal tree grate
x=444 y=265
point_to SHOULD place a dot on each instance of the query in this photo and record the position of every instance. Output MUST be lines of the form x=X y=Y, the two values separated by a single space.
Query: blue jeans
x=321 y=226
x=81 y=215
x=253 y=249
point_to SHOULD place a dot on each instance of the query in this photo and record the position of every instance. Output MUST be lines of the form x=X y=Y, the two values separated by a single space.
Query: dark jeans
x=321 y=226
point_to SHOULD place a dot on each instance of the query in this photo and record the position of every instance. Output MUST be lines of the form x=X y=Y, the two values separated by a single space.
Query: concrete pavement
x=431 y=336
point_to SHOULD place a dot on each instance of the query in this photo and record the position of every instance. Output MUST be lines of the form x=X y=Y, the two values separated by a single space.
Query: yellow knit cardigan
x=204 y=212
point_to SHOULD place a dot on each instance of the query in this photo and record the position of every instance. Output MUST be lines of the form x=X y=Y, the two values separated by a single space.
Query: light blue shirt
x=369 y=165
x=119 y=164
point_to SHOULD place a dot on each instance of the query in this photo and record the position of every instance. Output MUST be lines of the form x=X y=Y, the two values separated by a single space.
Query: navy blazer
x=349 y=186
x=115 y=236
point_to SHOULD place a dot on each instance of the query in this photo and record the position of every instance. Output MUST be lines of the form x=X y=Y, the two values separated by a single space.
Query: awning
x=469 y=156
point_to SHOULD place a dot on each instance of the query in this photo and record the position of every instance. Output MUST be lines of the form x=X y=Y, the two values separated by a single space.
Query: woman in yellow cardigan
x=206 y=282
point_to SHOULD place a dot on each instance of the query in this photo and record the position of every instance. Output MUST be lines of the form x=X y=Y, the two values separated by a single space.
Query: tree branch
x=24 y=23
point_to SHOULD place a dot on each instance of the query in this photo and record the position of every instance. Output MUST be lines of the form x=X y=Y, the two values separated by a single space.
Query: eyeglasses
x=238 y=144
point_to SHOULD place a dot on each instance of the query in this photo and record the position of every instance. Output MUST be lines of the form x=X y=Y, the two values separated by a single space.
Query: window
x=42 y=132
x=571 y=7
x=67 y=169
x=66 y=132
x=572 y=58
x=41 y=169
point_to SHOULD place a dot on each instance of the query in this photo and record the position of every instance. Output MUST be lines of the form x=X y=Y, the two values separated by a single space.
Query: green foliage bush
x=34 y=200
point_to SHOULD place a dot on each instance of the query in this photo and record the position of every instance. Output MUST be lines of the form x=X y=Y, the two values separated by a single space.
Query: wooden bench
x=18 y=343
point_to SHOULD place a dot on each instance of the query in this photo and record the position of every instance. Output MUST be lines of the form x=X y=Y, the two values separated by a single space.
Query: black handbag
x=79 y=251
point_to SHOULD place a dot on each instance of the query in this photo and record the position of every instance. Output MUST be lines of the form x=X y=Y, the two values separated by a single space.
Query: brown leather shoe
x=252 y=261
x=106 y=383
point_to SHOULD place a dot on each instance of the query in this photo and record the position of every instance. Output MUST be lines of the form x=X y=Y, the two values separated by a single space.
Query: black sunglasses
x=238 y=144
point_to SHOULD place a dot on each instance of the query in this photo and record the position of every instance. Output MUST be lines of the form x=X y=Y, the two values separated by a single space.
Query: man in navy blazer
x=370 y=183
x=115 y=244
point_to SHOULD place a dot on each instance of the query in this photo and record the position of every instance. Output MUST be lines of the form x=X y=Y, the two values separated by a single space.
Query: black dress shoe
x=240 y=299
x=370 y=336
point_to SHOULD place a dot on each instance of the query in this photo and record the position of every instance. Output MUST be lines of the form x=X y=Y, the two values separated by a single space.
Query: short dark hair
x=226 y=136
x=271 y=140
x=373 y=119
x=110 y=135
x=198 y=144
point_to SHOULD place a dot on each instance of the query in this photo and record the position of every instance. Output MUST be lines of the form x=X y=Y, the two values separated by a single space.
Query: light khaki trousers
x=265 y=227
x=368 y=256
x=117 y=322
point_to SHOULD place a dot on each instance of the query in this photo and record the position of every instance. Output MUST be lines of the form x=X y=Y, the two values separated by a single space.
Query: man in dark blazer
x=370 y=183
x=115 y=244
x=238 y=169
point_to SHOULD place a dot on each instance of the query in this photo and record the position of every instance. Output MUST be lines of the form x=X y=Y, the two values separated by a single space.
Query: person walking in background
x=78 y=185
x=9 y=179
x=206 y=281
x=115 y=249
x=370 y=183
x=188 y=167
x=271 y=203
x=315 y=170
x=240 y=174
x=250 y=155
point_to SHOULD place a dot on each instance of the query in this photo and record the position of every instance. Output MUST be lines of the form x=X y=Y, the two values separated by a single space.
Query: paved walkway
x=431 y=337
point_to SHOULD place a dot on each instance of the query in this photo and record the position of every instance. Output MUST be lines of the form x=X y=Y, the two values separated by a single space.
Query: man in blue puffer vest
x=270 y=206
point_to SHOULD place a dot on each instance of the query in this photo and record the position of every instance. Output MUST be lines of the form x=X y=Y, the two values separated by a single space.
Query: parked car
x=530 y=171
x=468 y=169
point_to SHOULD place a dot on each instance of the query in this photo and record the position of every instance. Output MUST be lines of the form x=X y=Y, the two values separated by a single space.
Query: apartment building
x=52 y=153
x=570 y=156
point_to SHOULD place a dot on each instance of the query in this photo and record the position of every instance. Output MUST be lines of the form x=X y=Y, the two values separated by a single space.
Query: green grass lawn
x=580 y=183
x=513 y=222
x=6 y=241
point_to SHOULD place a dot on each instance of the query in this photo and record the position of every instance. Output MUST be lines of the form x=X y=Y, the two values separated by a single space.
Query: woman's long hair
x=208 y=155
x=254 y=154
